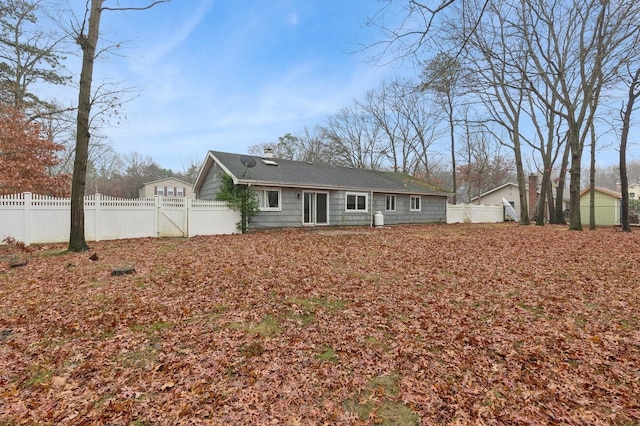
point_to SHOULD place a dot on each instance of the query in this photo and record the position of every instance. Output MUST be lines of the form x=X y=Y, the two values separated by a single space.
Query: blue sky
x=227 y=74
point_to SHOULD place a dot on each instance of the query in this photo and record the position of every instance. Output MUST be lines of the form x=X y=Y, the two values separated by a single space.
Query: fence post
x=156 y=219
x=98 y=198
x=187 y=217
x=27 y=217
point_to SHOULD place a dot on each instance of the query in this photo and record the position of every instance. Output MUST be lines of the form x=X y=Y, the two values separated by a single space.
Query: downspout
x=371 y=212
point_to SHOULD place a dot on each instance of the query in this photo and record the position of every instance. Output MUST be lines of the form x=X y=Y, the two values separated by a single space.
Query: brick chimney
x=268 y=152
x=533 y=194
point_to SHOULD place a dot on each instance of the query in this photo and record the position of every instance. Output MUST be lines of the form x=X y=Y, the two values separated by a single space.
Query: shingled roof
x=301 y=174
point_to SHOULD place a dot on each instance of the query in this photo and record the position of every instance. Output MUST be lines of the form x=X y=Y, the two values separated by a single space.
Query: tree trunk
x=452 y=135
x=559 y=217
x=592 y=182
x=545 y=190
x=88 y=44
x=575 y=221
x=524 y=194
x=626 y=123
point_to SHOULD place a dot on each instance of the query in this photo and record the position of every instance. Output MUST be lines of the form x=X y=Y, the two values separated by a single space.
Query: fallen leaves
x=438 y=324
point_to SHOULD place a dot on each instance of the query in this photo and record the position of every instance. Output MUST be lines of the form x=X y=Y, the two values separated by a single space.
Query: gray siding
x=433 y=208
x=211 y=184
x=289 y=217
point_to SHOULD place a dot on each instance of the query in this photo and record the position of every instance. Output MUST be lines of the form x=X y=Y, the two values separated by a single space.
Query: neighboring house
x=169 y=187
x=298 y=193
x=510 y=192
x=634 y=191
x=607 y=206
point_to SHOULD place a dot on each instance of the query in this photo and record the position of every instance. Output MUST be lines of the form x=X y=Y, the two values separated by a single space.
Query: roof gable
x=157 y=181
x=289 y=173
x=499 y=188
x=605 y=191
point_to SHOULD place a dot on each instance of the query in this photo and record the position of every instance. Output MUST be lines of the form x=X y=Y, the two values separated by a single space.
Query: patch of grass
x=53 y=252
x=360 y=407
x=329 y=354
x=269 y=327
x=309 y=306
x=39 y=377
x=386 y=384
x=394 y=413
x=142 y=359
x=537 y=311
x=106 y=335
x=384 y=409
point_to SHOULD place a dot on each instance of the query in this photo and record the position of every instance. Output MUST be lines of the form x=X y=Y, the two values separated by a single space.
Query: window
x=180 y=192
x=390 y=204
x=415 y=203
x=269 y=199
x=170 y=192
x=356 y=202
x=159 y=190
x=632 y=195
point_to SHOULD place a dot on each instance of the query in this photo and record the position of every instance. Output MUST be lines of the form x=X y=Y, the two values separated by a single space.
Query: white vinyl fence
x=472 y=213
x=31 y=218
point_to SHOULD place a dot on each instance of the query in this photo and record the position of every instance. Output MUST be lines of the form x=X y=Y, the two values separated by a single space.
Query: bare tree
x=625 y=113
x=353 y=136
x=442 y=76
x=496 y=61
x=87 y=38
x=589 y=42
x=415 y=34
x=484 y=167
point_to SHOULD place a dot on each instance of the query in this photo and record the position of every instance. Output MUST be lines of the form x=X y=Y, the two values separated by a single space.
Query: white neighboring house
x=634 y=191
x=168 y=187
x=510 y=192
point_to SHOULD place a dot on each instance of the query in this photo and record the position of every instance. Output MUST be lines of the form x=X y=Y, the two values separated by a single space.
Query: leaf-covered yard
x=482 y=324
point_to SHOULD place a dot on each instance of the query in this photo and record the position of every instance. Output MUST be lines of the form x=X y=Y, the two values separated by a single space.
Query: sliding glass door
x=315 y=208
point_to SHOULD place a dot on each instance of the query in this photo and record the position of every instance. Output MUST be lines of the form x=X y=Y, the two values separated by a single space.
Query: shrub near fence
x=31 y=218
x=472 y=213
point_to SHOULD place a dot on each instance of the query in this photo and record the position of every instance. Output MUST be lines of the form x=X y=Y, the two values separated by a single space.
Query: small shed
x=607 y=206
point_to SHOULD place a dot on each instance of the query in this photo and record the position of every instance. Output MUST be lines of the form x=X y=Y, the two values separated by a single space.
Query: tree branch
x=137 y=8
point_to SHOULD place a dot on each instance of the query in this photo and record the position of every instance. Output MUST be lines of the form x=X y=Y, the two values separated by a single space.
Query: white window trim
x=411 y=198
x=395 y=200
x=356 y=210
x=263 y=207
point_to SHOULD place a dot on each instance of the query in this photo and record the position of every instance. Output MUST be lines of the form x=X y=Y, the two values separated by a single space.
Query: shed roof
x=605 y=191
x=289 y=173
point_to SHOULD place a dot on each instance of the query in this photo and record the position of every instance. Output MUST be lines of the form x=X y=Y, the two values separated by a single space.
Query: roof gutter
x=337 y=188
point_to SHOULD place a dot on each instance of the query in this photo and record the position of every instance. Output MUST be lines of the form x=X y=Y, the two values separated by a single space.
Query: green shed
x=607 y=206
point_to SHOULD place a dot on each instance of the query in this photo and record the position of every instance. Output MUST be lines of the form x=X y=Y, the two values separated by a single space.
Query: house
x=297 y=193
x=607 y=206
x=634 y=191
x=169 y=187
x=510 y=192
